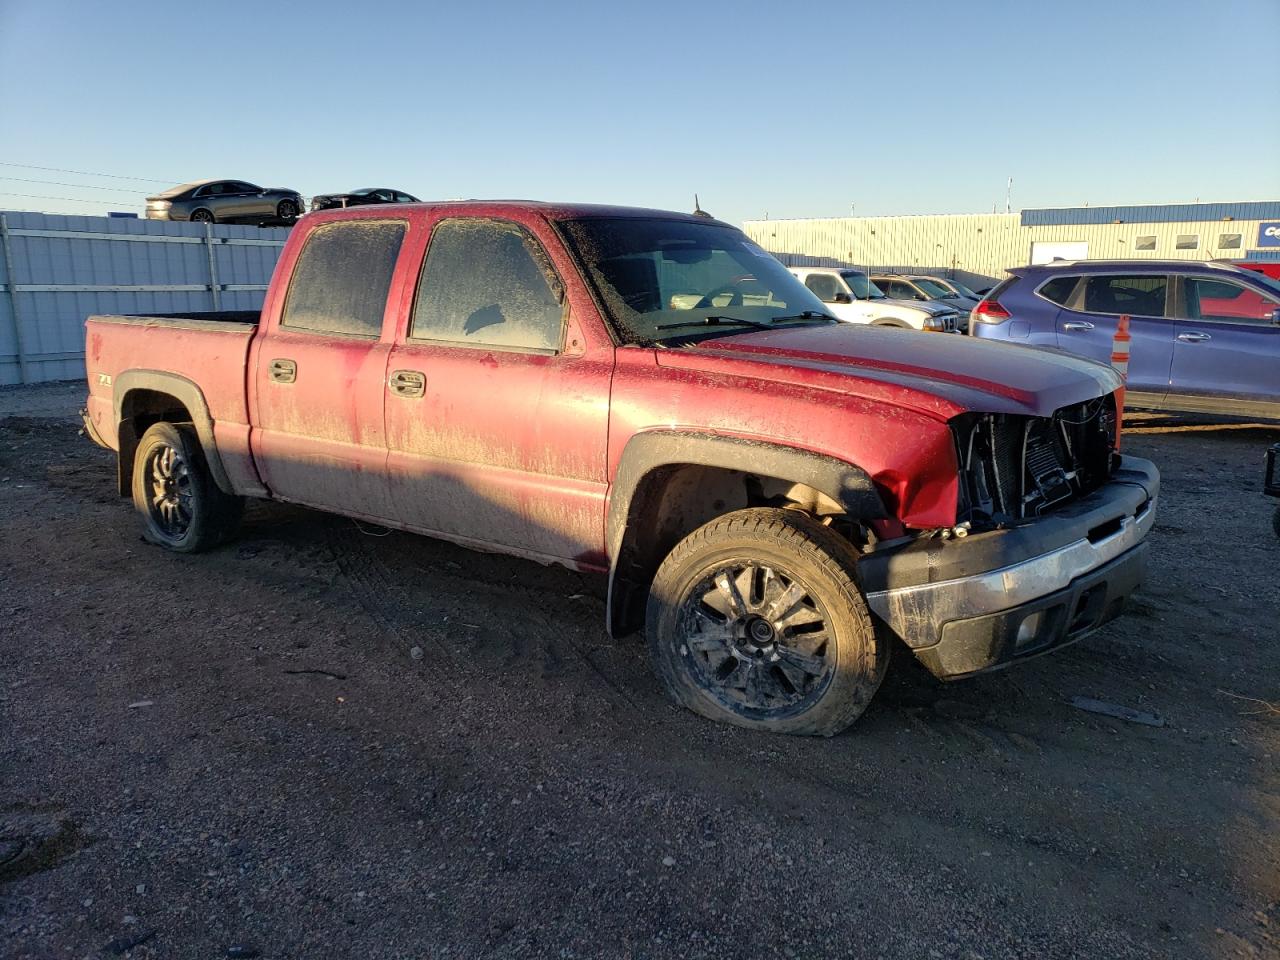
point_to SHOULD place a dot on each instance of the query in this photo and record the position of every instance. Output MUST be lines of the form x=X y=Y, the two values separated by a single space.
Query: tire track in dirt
x=380 y=592
x=381 y=595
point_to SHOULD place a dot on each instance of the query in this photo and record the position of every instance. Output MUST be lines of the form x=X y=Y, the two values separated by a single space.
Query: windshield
x=862 y=286
x=675 y=279
x=961 y=289
x=933 y=288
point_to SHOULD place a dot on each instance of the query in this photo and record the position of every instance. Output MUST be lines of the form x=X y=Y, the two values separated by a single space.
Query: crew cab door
x=1227 y=346
x=497 y=396
x=1087 y=321
x=318 y=370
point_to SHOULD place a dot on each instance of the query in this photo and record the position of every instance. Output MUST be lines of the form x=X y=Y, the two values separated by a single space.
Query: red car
x=775 y=497
x=1268 y=268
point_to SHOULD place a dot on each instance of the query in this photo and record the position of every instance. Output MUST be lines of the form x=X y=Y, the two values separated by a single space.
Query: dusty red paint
x=517 y=451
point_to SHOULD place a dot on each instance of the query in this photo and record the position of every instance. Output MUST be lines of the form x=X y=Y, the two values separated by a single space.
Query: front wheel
x=755 y=619
x=287 y=210
x=181 y=507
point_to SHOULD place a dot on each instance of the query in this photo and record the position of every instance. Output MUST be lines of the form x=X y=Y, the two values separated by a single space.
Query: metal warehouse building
x=977 y=248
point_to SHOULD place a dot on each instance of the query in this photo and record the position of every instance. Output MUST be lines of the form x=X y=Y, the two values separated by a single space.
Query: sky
x=761 y=109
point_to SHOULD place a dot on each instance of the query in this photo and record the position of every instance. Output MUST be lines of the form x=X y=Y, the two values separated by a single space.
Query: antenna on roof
x=698 y=211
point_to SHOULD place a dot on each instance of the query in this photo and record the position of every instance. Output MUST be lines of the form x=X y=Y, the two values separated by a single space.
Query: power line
x=42 y=196
x=82 y=173
x=78 y=186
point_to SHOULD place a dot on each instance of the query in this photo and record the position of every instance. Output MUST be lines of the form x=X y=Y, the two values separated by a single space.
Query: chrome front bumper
x=980 y=602
x=916 y=613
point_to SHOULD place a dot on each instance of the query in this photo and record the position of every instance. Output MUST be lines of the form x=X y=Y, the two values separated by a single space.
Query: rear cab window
x=341 y=280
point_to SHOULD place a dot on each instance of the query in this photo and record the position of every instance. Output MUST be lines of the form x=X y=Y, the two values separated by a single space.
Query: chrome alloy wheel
x=171 y=500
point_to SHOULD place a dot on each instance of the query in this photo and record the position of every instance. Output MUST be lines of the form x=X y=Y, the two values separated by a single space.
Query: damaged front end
x=1049 y=541
x=1017 y=468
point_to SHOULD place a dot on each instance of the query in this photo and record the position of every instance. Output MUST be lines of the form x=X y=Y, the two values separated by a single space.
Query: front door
x=1226 y=352
x=497 y=405
x=1087 y=323
x=318 y=372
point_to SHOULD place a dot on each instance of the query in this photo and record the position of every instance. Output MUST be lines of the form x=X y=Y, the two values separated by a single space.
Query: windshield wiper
x=713 y=321
x=806 y=315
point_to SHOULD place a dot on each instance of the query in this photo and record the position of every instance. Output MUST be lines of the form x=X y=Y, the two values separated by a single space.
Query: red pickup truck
x=777 y=498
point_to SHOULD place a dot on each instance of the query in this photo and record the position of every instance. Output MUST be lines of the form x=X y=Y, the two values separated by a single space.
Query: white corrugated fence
x=57 y=270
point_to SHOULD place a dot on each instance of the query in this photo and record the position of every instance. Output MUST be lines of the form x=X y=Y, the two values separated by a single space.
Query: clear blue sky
x=797 y=110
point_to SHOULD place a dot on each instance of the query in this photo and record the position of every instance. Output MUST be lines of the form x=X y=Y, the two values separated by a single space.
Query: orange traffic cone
x=1120 y=360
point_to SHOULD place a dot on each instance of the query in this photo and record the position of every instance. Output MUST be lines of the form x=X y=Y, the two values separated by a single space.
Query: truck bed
x=210 y=350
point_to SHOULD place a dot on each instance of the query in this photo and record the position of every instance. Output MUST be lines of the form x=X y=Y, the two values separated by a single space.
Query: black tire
x=181 y=507
x=814 y=665
x=202 y=216
x=1275 y=521
x=287 y=210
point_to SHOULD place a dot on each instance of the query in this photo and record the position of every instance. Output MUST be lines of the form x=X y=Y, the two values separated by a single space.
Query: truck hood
x=937 y=374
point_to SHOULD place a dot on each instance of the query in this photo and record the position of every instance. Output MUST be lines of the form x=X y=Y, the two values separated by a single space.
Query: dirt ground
x=322 y=742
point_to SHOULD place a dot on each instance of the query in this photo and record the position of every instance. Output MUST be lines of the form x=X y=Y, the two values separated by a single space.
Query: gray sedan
x=224 y=201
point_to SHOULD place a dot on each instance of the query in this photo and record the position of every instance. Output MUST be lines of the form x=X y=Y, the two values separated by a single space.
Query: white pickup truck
x=851 y=297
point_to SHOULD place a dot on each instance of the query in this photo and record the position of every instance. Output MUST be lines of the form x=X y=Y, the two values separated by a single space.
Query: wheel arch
x=144 y=397
x=669 y=483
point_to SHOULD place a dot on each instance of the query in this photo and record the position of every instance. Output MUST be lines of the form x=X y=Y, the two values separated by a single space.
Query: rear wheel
x=202 y=216
x=756 y=620
x=181 y=507
x=287 y=210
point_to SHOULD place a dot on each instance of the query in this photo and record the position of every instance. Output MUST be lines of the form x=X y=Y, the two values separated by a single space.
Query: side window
x=1222 y=300
x=342 y=277
x=1141 y=296
x=823 y=285
x=1059 y=289
x=488 y=283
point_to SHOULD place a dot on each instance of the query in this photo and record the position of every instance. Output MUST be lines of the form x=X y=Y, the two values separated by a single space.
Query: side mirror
x=843 y=297
x=1275 y=316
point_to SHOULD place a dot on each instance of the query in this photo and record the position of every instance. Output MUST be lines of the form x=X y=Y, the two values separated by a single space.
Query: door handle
x=1077 y=325
x=1194 y=337
x=408 y=383
x=284 y=371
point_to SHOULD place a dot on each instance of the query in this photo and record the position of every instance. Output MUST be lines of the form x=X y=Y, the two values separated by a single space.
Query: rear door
x=319 y=369
x=1226 y=349
x=497 y=399
x=1087 y=323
